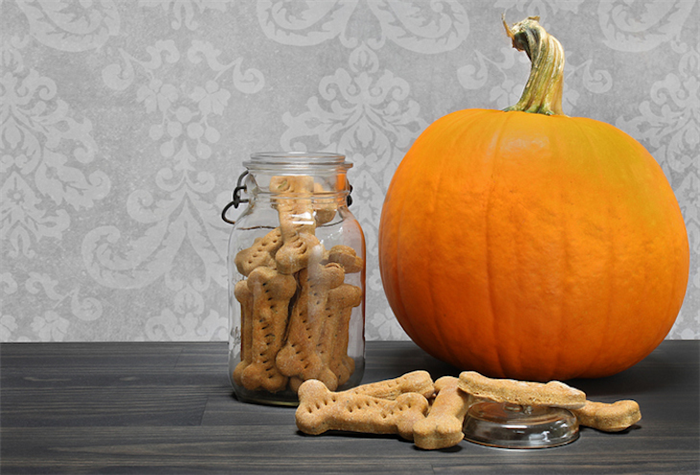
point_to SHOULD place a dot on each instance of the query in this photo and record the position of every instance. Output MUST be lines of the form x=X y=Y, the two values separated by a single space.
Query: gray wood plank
x=168 y=408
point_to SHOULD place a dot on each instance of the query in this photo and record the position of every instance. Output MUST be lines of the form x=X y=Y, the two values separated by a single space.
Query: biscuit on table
x=321 y=410
x=443 y=426
x=552 y=394
x=613 y=417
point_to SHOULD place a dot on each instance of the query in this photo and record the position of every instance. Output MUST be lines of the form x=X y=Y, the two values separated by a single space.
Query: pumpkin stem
x=543 y=91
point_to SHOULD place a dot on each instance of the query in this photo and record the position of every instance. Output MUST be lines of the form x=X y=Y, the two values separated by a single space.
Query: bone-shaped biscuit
x=292 y=198
x=553 y=393
x=418 y=381
x=261 y=253
x=296 y=252
x=321 y=410
x=346 y=257
x=298 y=357
x=272 y=292
x=245 y=297
x=324 y=208
x=333 y=343
x=443 y=426
x=613 y=417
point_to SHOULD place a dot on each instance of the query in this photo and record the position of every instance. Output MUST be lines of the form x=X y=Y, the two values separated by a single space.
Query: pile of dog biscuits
x=295 y=304
x=432 y=414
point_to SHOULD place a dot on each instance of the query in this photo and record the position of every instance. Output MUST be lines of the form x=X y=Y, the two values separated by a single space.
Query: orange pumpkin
x=527 y=244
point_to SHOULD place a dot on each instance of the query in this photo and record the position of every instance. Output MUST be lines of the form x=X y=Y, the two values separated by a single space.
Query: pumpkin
x=531 y=245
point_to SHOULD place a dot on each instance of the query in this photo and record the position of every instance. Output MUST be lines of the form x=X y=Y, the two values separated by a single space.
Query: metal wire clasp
x=237 y=200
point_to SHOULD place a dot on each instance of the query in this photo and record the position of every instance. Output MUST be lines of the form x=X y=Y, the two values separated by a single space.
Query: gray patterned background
x=123 y=125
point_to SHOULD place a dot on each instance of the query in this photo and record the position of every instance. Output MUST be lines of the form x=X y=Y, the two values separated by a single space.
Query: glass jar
x=296 y=263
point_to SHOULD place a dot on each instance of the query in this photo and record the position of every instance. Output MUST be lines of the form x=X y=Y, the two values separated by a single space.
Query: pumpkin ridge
x=407 y=213
x=431 y=277
x=642 y=266
x=398 y=298
x=456 y=131
x=564 y=242
x=601 y=341
x=681 y=256
x=461 y=133
x=671 y=302
x=520 y=299
x=495 y=322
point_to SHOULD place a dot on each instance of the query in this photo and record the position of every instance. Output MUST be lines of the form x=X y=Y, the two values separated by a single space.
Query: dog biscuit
x=298 y=357
x=272 y=292
x=443 y=426
x=553 y=394
x=295 y=254
x=333 y=343
x=245 y=297
x=261 y=253
x=346 y=257
x=321 y=410
x=324 y=207
x=613 y=417
x=418 y=381
x=292 y=198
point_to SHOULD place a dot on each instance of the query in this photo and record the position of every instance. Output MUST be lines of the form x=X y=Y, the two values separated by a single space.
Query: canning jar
x=296 y=265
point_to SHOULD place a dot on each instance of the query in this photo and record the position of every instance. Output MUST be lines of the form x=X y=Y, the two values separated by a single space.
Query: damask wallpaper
x=123 y=125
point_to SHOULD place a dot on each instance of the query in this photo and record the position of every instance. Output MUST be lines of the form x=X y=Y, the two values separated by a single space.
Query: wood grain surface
x=168 y=408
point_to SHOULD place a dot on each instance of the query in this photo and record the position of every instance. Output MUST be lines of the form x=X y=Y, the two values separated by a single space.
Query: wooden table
x=168 y=408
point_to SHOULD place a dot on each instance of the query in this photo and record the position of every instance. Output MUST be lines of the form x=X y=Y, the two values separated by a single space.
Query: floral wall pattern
x=123 y=125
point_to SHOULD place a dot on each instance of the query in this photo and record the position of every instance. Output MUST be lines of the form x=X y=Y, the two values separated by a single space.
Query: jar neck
x=318 y=183
x=333 y=201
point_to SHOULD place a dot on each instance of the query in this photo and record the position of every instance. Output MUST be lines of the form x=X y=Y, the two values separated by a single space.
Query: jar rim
x=295 y=158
